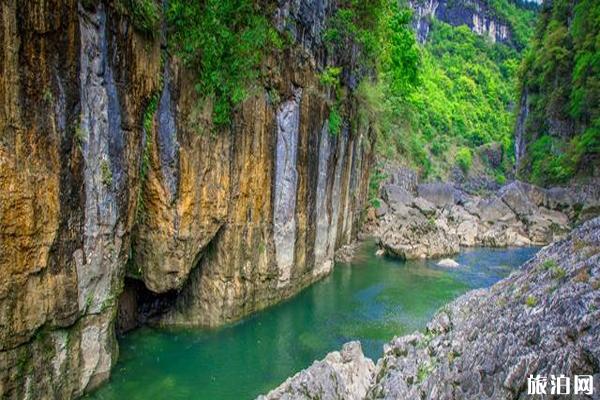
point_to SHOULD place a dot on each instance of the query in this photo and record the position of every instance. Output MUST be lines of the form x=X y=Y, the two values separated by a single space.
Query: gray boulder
x=517 y=200
x=425 y=207
x=440 y=194
x=416 y=236
x=394 y=194
x=341 y=375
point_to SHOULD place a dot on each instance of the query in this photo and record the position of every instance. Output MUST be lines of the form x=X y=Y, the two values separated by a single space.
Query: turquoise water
x=372 y=299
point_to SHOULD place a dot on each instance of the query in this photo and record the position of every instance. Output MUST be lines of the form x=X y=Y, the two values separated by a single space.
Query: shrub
x=500 y=178
x=464 y=159
x=144 y=14
x=106 y=173
x=225 y=41
x=335 y=121
x=531 y=301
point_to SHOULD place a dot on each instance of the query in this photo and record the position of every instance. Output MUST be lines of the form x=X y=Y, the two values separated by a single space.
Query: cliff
x=481 y=16
x=557 y=132
x=114 y=186
x=485 y=344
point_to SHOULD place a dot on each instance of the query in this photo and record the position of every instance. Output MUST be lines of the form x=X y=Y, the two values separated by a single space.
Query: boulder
x=424 y=206
x=394 y=194
x=448 y=263
x=517 y=200
x=467 y=232
x=416 y=236
x=559 y=198
x=494 y=210
x=440 y=194
x=382 y=209
x=346 y=375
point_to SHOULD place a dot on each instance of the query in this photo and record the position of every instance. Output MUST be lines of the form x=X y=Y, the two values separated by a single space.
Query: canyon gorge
x=136 y=191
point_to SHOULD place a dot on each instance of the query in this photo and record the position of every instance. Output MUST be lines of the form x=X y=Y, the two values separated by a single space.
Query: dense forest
x=560 y=93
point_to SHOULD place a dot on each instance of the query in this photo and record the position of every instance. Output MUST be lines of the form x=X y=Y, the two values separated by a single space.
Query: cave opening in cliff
x=139 y=306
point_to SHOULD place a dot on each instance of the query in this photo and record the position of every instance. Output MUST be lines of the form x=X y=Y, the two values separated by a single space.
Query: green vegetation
x=561 y=76
x=106 y=173
x=377 y=176
x=148 y=123
x=225 y=42
x=519 y=16
x=460 y=99
x=330 y=78
x=556 y=271
x=464 y=159
x=531 y=301
x=144 y=14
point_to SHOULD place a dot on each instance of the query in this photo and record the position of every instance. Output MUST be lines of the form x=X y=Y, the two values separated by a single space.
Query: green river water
x=371 y=300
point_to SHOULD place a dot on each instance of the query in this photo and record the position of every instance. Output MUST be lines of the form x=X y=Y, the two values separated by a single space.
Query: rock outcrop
x=109 y=169
x=478 y=15
x=542 y=320
x=341 y=375
x=436 y=219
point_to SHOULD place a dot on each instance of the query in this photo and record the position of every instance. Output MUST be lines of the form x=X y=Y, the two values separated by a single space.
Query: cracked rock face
x=542 y=320
x=476 y=14
x=108 y=169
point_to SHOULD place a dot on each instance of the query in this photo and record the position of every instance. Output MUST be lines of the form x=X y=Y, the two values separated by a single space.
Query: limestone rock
x=341 y=375
x=541 y=320
x=440 y=194
x=416 y=237
x=394 y=194
x=525 y=324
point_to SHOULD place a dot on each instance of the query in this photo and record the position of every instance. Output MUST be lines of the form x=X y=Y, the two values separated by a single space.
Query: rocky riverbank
x=436 y=219
x=542 y=320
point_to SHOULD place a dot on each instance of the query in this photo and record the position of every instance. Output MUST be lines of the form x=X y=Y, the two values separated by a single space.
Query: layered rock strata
x=109 y=168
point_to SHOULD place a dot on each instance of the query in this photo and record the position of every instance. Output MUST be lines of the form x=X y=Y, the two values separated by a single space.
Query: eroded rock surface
x=544 y=319
x=346 y=374
x=110 y=168
x=437 y=219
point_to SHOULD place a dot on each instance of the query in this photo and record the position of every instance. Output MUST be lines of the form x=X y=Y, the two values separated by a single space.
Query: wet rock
x=448 y=263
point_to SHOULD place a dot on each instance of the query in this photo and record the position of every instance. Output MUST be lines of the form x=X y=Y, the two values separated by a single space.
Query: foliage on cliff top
x=144 y=14
x=387 y=58
x=520 y=17
x=225 y=41
x=561 y=76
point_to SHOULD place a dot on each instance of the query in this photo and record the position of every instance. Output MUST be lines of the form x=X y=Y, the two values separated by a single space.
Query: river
x=371 y=300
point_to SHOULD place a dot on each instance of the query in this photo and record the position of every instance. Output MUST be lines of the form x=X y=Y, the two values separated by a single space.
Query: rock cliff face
x=108 y=169
x=476 y=14
x=542 y=320
x=557 y=130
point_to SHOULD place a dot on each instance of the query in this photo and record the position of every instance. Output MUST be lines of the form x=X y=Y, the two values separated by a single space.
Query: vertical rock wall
x=476 y=14
x=109 y=168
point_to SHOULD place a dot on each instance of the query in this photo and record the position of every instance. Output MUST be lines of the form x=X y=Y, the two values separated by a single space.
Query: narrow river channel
x=371 y=299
